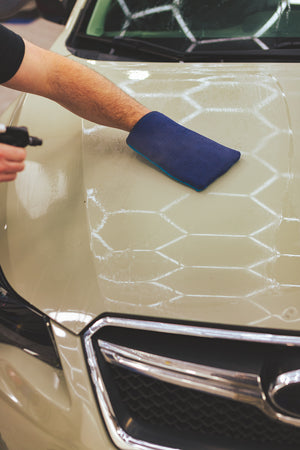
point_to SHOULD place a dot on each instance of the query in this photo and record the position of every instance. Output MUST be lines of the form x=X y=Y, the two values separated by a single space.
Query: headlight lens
x=23 y=326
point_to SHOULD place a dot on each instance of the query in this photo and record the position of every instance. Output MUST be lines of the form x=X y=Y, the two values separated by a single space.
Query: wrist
x=136 y=117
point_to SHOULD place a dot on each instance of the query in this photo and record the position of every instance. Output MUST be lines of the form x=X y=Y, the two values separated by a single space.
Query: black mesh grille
x=175 y=408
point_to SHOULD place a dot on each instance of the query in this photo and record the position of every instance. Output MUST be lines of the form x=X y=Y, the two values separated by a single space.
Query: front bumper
x=42 y=407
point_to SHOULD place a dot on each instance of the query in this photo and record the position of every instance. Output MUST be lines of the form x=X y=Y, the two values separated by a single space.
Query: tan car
x=137 y=313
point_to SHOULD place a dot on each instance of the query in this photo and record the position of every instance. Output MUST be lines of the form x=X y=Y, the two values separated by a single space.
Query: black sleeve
x=12 y=49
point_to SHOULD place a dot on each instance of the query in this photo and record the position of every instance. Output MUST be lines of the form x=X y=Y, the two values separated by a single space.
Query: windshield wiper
x=259 y=55
x=287 y=44
x=138 y=47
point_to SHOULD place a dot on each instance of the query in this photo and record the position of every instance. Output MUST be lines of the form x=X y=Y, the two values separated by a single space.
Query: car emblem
x=284 y=392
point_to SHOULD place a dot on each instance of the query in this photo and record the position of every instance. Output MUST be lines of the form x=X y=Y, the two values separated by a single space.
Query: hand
x=12 y=161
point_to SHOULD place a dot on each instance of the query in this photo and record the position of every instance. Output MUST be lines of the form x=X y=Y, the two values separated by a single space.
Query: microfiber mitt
x=181 y=153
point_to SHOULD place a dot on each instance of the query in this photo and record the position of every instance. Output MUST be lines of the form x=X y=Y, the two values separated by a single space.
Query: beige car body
x=90 y=228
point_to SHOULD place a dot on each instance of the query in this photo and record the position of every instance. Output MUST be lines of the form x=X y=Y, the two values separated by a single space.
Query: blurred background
x=39 y=21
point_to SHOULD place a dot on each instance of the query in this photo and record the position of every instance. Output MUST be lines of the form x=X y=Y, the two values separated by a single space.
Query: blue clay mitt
x=181 y=153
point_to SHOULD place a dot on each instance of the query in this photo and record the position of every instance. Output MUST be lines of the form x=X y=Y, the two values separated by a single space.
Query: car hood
x=92 y=228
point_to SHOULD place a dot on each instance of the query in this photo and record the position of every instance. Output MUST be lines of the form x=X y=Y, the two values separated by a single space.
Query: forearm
x=77 y=88
x=93 y=97
x=181 y=153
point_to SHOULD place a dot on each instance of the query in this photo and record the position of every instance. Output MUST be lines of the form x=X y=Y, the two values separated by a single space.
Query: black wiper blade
x=143 y=50
x=260 y=55
x=138 y=47
x=287 y=44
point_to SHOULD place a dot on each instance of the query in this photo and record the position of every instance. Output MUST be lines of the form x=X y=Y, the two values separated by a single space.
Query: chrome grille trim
x=121 y=439
x=191 y=330
x=240 y=386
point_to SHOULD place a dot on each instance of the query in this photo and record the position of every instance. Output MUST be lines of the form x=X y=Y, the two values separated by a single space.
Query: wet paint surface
x=223 y=255
x=117 y=235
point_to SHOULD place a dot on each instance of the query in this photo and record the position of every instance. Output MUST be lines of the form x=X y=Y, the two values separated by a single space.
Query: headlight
x=23 y=326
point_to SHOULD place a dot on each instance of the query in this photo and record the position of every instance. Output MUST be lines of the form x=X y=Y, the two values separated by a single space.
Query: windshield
x=194 y=30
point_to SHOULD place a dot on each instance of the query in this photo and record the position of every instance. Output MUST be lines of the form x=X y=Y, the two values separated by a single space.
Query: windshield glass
x=190 y=27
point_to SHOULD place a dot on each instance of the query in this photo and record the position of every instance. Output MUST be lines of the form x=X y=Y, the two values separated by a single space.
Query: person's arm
x=77 y=88
x=181 y=153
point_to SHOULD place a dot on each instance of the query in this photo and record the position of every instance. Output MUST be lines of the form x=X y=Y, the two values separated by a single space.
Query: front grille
x=171 y=407
x=164 y=386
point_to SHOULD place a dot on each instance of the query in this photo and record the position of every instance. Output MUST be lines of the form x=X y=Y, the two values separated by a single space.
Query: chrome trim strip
x=191 y=330
x=121 y=439
x=244 y=387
